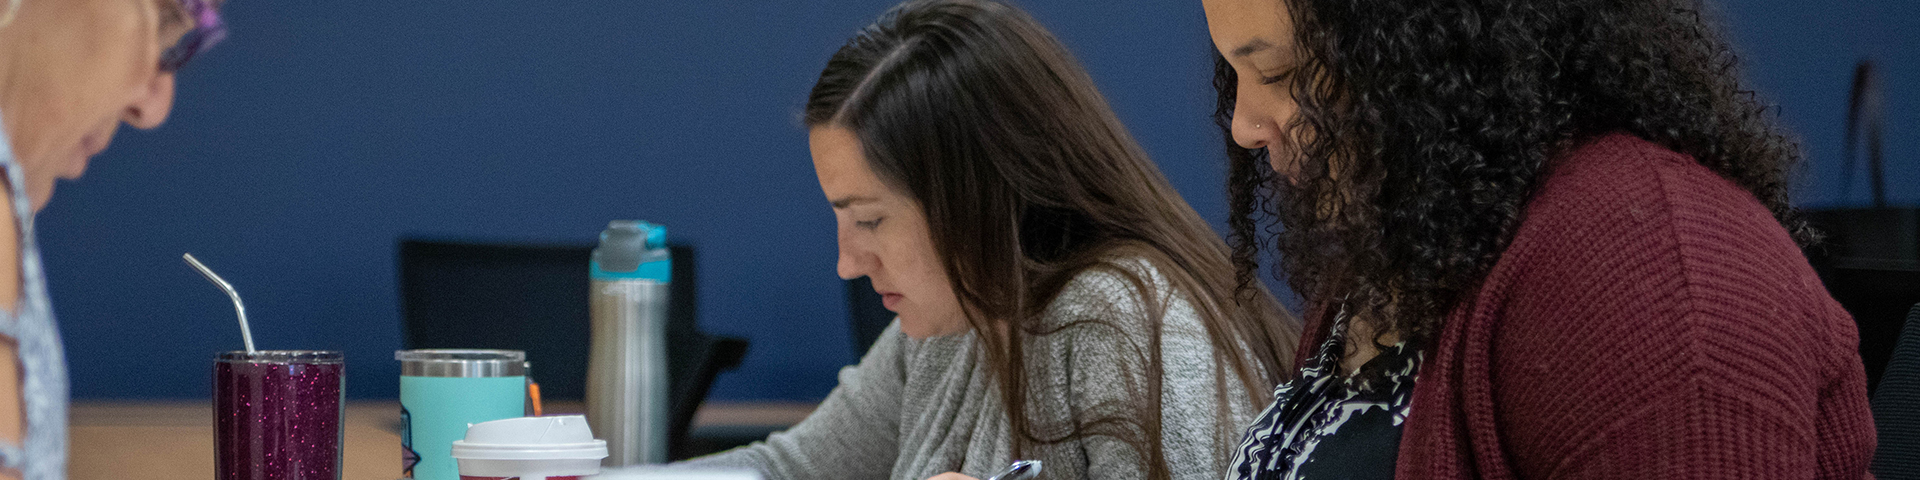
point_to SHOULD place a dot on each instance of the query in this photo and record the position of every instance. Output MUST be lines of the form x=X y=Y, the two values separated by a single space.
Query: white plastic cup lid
x=656 y=473
x=565 y=437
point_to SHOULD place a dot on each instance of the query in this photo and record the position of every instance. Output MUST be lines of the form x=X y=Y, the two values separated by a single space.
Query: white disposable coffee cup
x=530 y=448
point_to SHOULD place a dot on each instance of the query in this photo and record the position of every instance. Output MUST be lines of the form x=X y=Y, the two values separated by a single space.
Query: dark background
x=301 y=149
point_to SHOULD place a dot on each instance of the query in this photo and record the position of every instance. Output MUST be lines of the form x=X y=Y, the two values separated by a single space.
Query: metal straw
x=246 y=333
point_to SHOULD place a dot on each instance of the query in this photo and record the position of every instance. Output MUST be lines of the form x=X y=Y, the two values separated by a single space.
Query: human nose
x=1251 y=129
x=855 y=262
x=150 y=106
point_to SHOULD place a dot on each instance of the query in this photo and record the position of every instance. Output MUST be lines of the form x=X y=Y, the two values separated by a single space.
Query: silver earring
x=1256 y=126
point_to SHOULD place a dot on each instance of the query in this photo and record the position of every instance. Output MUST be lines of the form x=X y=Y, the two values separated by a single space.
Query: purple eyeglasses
x=207 y=31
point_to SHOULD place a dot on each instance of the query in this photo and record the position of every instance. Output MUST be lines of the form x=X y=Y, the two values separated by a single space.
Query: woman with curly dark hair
x=1538 y=239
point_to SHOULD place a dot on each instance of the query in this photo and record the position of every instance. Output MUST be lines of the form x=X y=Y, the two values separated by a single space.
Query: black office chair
x=1896 y=408
x=867 y=315
x=1870 y=259
x=534 y=298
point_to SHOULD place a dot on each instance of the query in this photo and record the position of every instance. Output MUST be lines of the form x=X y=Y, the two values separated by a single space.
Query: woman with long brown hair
x=1057 y=299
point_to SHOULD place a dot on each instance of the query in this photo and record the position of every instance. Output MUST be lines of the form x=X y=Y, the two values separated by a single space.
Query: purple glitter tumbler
x=277 y=415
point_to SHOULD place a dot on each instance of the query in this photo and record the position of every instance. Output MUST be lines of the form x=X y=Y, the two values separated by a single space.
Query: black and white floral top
x=1325 y=425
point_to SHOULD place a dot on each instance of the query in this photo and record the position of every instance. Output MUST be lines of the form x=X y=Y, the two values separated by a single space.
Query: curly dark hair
x=1441 y=118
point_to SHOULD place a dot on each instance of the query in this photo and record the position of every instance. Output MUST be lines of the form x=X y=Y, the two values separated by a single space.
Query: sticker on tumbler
x=408 y=458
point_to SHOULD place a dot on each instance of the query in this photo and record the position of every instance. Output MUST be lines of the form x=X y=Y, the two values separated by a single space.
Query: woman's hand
x=952 y=476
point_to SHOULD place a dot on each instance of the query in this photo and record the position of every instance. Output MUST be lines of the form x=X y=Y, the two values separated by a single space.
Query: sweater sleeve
x=852 y=435
x=1678 y=334
x=1102 y=355
x=1693 y=394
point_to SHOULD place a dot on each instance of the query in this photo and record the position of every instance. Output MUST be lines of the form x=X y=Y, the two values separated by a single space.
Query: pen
x=1020 y=470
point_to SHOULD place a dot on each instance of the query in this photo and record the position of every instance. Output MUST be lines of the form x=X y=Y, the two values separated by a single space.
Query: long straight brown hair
x=1027 y=179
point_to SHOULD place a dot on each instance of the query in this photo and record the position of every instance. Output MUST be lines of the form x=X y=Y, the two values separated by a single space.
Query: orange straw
x=533 y=396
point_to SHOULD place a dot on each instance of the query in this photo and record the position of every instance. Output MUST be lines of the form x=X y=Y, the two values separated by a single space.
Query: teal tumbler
x=443 y=391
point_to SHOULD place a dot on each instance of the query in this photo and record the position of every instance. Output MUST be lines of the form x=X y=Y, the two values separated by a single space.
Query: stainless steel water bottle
x=627 y=366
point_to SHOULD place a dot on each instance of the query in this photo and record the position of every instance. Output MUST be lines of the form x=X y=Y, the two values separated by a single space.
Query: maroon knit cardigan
x=1650 y=320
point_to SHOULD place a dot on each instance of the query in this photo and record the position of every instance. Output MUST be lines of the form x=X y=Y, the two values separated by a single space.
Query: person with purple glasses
x=71 y=71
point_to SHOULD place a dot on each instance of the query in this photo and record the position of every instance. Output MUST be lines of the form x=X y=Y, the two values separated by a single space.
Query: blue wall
x=302 y=148
x=1801 y=55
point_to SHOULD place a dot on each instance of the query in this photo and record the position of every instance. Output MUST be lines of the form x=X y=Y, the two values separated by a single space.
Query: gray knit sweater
x=912 y=408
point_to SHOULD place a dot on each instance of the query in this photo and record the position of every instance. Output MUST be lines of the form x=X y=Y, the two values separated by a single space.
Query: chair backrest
x=1878 y=300
x=1896 y=408
x=517 y=297
x=534 y=298
x=1870 y=263
x=867 y=315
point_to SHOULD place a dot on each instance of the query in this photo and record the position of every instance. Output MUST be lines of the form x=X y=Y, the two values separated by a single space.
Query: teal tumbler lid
x=465 y=363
